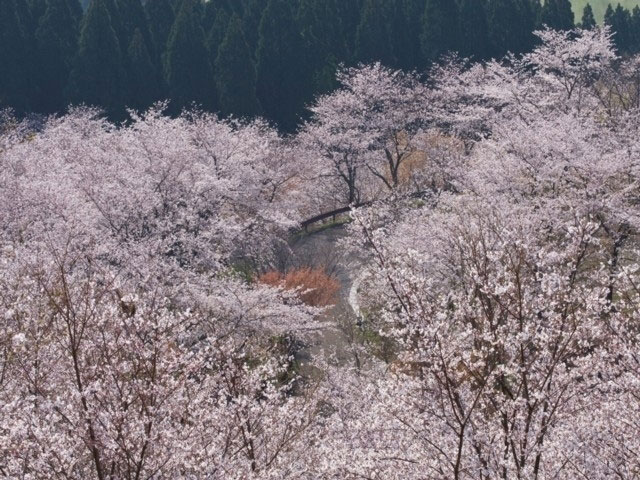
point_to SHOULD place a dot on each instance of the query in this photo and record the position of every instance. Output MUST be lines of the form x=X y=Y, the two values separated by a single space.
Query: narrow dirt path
x=334 y=343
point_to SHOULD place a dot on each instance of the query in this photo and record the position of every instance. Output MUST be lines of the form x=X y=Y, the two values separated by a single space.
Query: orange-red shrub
x=315 y=286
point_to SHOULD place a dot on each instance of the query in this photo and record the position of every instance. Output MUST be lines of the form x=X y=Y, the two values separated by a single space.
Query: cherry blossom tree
x=96 y=386
x=366 y=128
x=133 y=347
x=506 y=297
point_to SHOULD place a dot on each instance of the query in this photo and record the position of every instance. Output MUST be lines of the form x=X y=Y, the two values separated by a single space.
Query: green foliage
x=588 y=19
x=76 y=12
x=473 y=30
x=294 y=46
x=144 y=85
x=252 y=14
x=283 y=74
x=56 y=40
x=510 y=25
x=558 y=14
x=634 y=30
x=98 y=76
x=188 y=71
x=144 y=82
x=324 y=43
x=209 y=15
x=502 y=19
x=407 y=29
x=37 y=8
x=116 y=23
x=217 y=33
x=527 y=23
x=14 y=68
x=28 y=21
x=373 y=37
x=160 y=17
x=536 y=11
x=441 y=29
x=236 y=74
x=619 y=19
x=134 y=20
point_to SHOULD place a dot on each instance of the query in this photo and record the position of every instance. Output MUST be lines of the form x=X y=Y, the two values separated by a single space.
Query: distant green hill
x=599 y=6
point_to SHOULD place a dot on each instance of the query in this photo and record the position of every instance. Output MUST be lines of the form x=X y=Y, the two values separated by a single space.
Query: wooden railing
x=339 y=211
x=332 y=214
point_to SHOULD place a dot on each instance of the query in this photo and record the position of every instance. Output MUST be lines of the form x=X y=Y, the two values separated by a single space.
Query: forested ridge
x=250 y=57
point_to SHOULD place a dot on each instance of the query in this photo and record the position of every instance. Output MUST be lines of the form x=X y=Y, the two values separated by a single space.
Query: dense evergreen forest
x=250 y=57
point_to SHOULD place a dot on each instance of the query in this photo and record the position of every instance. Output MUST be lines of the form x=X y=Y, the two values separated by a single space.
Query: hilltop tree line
x=249 y=57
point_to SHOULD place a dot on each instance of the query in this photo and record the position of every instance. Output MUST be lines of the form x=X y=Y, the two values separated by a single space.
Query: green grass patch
x=599 y=7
